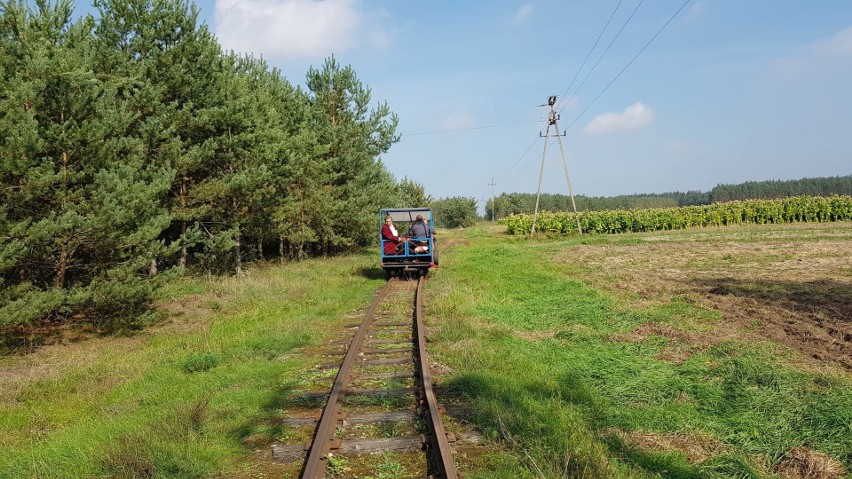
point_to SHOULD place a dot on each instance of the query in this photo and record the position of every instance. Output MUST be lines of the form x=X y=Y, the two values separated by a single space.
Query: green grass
x=559 y=395
x=186 y=399
x=529 y=346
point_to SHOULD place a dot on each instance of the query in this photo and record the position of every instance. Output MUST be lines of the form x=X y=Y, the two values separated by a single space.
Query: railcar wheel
x=435 y=256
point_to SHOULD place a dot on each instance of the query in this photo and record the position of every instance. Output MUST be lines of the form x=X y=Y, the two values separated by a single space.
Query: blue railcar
x=414 y=256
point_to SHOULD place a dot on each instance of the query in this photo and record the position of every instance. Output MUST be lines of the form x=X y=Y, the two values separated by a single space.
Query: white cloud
x=522 y=13
x=822 y=56
x=840 y=45
x=295 y=28
x=633 y=117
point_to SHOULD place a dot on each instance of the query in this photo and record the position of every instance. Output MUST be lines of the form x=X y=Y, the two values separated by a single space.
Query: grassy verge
x=188 y=398
x=624 y=356
x=584 y=381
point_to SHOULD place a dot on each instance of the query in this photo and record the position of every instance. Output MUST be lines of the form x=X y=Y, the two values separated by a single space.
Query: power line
x=580 y=69
x=595 y=66
x=629 y=63
x=559 y=107
x=504 y=175
x=450 y=130
x=654 y=37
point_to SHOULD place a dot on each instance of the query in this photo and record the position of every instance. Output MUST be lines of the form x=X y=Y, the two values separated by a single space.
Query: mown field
x=718 y=352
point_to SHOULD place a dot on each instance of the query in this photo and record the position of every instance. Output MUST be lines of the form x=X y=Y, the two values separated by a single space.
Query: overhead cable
x=467 y=128
x=629 y=63
x=589 y=54
x=504 y=175
x=595 y=66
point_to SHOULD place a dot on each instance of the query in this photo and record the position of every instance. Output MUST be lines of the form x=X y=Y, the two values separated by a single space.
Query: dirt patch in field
x=814 y=317
x=535 y=335
x=683 y=345
x=804 y=463
x=787 y=284
x=696 y=447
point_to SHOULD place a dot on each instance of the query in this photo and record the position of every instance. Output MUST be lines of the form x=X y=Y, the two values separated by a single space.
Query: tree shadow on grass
x=532 y=415
x=548 y=422
x=265 y=428
x=669 y=465
x=371 y=272
x=829 y=298
x=26 y=339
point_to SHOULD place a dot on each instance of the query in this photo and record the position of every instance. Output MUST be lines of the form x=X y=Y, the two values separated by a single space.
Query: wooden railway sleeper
x=435 y=440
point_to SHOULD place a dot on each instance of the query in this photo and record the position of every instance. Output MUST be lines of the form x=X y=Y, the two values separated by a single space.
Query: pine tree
x=130 y=144
x=413 y=194
x=170 y=69
x=355 y=136
x=85 y=211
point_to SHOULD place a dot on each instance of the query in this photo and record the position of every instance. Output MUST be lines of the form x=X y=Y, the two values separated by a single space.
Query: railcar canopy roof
x=406 y=215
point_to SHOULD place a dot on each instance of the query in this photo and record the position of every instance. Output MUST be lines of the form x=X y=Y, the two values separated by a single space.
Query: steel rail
x=439 y=436
x=317 y=460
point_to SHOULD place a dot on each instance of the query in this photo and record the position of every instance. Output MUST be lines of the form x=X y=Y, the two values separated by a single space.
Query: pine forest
x=133 y=148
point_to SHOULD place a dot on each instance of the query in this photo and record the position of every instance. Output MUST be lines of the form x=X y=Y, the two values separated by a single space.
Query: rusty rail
x=325 y=441
x=317 y=460
x=439 y=439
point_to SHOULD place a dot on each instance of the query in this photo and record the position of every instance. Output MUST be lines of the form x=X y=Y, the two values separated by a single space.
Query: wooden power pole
x=553 y=120
x=493 y=205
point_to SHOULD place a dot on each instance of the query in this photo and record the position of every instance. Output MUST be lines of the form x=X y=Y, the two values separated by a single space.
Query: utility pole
x=553 y=119
x=493 y=205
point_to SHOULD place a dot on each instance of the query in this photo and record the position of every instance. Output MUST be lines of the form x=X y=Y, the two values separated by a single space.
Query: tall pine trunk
x=61 y=267
x=239 y=258
x=183 y=249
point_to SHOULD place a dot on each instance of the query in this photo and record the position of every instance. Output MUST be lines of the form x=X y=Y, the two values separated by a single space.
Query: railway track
x=383 y=385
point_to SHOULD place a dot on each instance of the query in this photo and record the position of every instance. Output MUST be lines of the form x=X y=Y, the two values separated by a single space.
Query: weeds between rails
x=394 y=412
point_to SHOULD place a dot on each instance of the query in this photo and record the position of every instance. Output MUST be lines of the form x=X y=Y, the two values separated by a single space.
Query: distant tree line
x=131 y=146
x=827 y=186
x=520 y=203
x=455 y=212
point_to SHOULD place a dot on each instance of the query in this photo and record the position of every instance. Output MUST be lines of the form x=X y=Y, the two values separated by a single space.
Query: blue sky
x=730 y=90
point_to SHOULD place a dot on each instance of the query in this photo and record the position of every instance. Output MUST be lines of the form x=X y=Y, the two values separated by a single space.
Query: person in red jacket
x=393 y=242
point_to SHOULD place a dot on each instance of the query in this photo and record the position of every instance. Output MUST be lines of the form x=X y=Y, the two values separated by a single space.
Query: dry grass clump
x=697 y=448
x=535 y=335
x=805 y=463
x=682 y=345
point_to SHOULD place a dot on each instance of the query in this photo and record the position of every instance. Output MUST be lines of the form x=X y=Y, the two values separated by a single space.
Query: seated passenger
x=420 y=229
x=394 y=244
